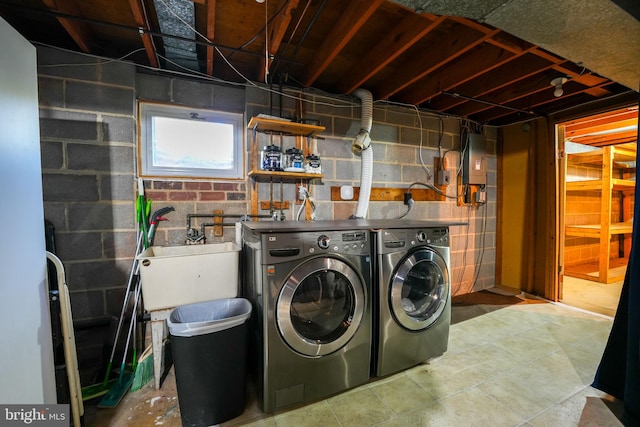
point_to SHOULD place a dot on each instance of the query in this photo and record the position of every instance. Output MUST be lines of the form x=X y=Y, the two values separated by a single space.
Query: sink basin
x=177 y=275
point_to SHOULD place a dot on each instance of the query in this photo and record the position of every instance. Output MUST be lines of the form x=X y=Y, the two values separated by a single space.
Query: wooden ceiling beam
x=583 y=125
x=77 y=30
x=500 y=39
x=277 y=30
x=530 y=98
x=409 y=75
x=211 y=32
x=600 y=126
x=482 y=59
x=396 y=42
x=520 y=68
x=613 y=139
x=353 y=18
x=143 y=23
x=530 y=102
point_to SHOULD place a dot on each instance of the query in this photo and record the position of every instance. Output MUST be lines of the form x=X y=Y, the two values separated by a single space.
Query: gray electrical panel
x=474 y=170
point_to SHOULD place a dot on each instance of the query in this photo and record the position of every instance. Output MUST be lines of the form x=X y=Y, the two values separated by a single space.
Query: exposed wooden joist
x=483 y=58
x=586 y=125
x=519 y=69
x=277 y=30
x=76 y=29
x=412 y=73
x=396 y=42
x=599 y=127
x=602 y=140
x=143 y=23
x=353 y=18
x=211 y=31
x=531 y=101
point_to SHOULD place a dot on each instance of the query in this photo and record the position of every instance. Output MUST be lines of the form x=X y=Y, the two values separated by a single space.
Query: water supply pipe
x=362 y=145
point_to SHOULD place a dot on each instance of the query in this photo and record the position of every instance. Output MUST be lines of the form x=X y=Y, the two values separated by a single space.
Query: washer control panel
x=344 y=242
x=281 y=247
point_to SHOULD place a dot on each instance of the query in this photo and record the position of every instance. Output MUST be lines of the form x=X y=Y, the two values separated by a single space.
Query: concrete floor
x=515 y=365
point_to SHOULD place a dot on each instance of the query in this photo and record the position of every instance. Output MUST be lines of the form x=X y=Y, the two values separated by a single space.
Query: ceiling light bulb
x=558 y=92
x=558 y=82
x=260 y=1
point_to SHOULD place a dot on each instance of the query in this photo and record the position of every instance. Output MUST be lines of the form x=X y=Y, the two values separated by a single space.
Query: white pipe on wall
x=362 y=145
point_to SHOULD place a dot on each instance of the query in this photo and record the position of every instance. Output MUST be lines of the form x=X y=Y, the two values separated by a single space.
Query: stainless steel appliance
x=311 y=322
x=413 y=303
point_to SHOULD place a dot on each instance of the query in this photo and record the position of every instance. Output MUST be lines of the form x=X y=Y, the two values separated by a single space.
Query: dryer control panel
x=393 y=240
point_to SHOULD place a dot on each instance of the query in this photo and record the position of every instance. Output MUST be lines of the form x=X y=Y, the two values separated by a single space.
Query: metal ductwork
x=174 y=18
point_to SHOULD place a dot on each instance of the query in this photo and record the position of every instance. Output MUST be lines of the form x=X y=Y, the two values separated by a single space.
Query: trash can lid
x=208 y=317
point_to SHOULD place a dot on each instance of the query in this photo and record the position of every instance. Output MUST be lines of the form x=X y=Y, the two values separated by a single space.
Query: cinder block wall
x=88 y=109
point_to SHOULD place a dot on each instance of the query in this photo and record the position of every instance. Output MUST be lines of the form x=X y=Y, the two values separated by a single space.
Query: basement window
x=187 y=142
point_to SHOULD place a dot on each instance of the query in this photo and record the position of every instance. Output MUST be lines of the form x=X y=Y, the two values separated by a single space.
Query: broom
x=144 y=369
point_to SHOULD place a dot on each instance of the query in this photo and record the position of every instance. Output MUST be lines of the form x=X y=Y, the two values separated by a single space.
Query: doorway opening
x=597 y=193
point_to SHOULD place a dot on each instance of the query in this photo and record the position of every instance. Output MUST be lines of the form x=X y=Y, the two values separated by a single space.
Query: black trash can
x=209 y=348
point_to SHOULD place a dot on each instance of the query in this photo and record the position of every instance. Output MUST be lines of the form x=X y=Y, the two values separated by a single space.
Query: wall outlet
x=444 y=177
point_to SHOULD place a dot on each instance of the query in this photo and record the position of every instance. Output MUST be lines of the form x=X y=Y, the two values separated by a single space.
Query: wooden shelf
x=266 y=176
x=614 y=164
x=304 y=134
x=597 y=185
x=594 y=230
x=284 y=127
x=591 y=271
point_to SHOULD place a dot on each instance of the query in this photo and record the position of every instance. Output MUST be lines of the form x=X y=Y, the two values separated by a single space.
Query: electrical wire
x=306 y=198
x=464 y=253
x=410 y=204
x=266 y=42
x=431 y=187
x=478 y=264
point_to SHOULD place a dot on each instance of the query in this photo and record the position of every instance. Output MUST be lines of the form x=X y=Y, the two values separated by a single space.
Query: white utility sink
x=172 y=276
x=177 y=275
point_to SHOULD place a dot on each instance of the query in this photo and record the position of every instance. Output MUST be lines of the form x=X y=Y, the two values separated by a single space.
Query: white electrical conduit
x=362 y=145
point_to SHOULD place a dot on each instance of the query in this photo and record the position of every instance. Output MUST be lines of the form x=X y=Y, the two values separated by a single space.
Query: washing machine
x=413 y=303
x=311 y=294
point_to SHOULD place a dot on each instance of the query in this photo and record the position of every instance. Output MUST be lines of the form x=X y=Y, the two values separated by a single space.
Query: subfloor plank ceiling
x=492 y=62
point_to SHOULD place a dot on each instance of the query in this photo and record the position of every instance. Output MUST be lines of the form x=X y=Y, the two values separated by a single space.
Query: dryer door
x=419 y=289
x=321 y=306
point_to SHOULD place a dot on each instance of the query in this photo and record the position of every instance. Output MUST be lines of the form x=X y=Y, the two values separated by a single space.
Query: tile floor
x=521 y=365
x=592 y=296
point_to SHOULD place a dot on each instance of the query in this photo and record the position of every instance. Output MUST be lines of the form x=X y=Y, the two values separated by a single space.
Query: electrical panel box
x=474 y=170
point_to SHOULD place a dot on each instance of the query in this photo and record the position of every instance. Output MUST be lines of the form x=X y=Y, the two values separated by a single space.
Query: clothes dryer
x=413 y=303
x=311 y=296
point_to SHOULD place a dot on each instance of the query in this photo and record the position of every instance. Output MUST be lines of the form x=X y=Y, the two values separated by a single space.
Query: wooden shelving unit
x=617 y=165
x=303 y=135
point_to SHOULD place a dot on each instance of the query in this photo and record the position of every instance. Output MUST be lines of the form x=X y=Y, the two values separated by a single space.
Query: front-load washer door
x=419 y=289
x=320 y=306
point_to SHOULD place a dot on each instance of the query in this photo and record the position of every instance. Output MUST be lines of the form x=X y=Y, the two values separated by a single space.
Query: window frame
x=147 y=110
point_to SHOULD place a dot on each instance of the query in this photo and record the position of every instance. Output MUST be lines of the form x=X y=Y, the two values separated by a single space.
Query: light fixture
x=558 y=82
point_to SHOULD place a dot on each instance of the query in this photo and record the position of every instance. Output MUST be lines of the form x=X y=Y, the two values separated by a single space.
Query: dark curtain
x=619 y=370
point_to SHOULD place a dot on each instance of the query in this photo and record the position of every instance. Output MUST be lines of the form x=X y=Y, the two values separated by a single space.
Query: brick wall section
x=88 y=110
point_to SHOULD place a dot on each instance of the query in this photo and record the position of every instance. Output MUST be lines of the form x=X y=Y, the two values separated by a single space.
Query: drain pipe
x=362 y=145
